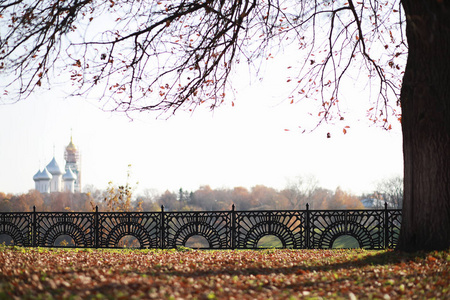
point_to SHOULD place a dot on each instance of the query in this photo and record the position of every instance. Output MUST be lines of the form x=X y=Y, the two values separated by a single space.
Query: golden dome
x=71 y=146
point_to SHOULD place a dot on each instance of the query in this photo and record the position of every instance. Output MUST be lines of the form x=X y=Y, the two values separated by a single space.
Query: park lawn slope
x=40 y=273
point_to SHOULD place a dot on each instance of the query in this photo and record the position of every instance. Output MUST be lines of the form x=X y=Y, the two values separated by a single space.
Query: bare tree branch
x=169 y=55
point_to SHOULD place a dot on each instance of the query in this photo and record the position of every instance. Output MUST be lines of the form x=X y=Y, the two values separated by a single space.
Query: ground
x=183 y=273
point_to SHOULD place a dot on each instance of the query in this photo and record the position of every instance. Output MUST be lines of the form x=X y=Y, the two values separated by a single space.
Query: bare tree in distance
x=390 y=190
x=169 y=55
x=299 y=191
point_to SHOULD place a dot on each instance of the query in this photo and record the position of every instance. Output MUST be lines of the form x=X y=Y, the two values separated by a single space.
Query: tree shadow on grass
x=382 y=259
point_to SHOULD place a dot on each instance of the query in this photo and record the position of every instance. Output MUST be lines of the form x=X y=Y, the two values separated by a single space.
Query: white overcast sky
x=241 y=145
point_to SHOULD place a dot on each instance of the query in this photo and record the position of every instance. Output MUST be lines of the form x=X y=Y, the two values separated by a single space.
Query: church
x=53 y=179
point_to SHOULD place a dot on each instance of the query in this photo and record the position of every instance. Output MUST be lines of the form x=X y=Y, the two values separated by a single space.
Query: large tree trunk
x=425 y=99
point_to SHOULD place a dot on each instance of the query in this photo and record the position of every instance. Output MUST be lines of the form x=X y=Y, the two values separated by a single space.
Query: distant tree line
x=295 y=195
x=63 y=201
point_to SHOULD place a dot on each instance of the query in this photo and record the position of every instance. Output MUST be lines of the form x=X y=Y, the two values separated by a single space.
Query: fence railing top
x=233 y=209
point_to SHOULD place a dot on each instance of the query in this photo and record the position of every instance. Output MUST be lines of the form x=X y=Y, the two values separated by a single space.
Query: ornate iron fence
x=296 y=229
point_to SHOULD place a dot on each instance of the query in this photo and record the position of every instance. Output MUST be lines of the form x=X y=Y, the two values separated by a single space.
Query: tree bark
x=425 y=99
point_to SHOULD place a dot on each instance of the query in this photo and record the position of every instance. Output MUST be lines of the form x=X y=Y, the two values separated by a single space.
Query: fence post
x=96 y=229
x=233 y=227
x=34 y=227
x=386 y=226
x=308 y=228
x=161 y=226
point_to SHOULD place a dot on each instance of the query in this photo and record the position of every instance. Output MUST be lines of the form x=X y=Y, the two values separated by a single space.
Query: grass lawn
x=42 y=273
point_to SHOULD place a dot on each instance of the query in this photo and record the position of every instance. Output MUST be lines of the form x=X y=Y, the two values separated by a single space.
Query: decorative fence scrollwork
x=295 y=229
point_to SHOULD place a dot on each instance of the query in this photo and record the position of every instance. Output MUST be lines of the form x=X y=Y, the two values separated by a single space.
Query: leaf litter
x=47 y=273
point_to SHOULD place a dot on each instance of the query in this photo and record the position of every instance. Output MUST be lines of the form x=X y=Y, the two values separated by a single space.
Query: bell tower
x=72 y=158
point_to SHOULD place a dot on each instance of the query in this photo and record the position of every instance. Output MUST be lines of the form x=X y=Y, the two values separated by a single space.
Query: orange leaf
x=431 y=258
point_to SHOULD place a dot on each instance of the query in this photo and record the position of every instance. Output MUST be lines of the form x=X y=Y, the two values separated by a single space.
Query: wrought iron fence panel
x=393 y=223
x=144 y=226
x=366 y=226
x=287 y=226
x=77 y=225
x=296 y=229
x=215 y=227
x=18 y=226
